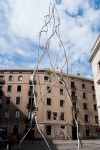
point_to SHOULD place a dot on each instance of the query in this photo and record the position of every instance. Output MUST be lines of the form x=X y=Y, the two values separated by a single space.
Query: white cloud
x=25 y=19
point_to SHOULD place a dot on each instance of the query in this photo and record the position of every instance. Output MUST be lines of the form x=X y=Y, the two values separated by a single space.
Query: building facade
x=95 y=61
x=54 y=113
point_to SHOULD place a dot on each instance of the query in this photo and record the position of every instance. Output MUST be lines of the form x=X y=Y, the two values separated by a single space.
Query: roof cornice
x=95 y=49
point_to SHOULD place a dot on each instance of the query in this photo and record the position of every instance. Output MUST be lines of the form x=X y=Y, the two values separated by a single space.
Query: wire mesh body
x=50 y=31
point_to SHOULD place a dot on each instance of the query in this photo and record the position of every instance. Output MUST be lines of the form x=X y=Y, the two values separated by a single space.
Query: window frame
x=83 y=86
x=10 y=78
x=85 y=106
x=47 y=78
x=18 y=100
x=6 y=115
x=20 y=78
x=49 y=101
x=61 y=91
x=48 y=131
x=95 y=107
x=48 y=89
x=62 y=116
x=20 y=88
x=9 y=88
x=54 y=115
x=96 y=119
x=49 y=115
x=17 y=114
x=62 y=103
x=9 y=100
x=84 y=95
x=86 y=118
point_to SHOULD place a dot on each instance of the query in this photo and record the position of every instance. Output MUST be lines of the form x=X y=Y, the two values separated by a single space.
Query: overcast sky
x=22 y=20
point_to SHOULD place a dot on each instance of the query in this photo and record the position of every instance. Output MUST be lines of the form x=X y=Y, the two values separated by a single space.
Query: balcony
x=73 y=87
x=73 y=122
x=73 y=98
x=27 y=120
x=34 y=82
x=30 y=106
x=2 y=81
x=30 y=93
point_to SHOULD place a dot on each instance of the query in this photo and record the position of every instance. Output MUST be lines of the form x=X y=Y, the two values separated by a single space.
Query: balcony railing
x=73 y=87
x=73 y=98
x=34 y=82
x=2 y=81
x=27 y=120
x=30 y=93
x=30 y=106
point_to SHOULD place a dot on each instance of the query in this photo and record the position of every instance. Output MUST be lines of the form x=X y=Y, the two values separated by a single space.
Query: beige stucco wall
x=96 y=76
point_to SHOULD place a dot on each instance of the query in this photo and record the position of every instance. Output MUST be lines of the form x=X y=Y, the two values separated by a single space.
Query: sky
x=22 y=20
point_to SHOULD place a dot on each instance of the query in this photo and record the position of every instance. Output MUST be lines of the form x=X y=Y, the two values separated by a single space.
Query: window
x=10 y=78
x=61 y=91
x=73 y=93
x=15 y=129
x=48 y=101
x=85 y=105
x=48 y=130
x=86 y=118
x=30 y=115
x=19 y=88
x=48 y=89
x=6 y=113
x=7 y=100
x=9 y=89
x=93 y=96
x=95 y=107
x=83 y=86
x=19 y=78
x=1 y=87
x=17 y=114
x=62 y=116
x=2 y=79
x=48 y=114
x=72 y=84
x=31 y=103
x=54 y=115
x=30 y=90
x=61 y=103
x=87 y=131
x=98 y=65
x=46 y=78
x=74 y=106
x=92 y=88
x=17 y=100
x=96 y=119
x=84 y=95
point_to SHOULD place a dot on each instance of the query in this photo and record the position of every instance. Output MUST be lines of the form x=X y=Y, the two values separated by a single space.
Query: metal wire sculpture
x=51 y=30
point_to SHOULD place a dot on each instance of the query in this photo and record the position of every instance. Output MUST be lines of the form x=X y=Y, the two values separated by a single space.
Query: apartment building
x=54 y=113
x=95 y=61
